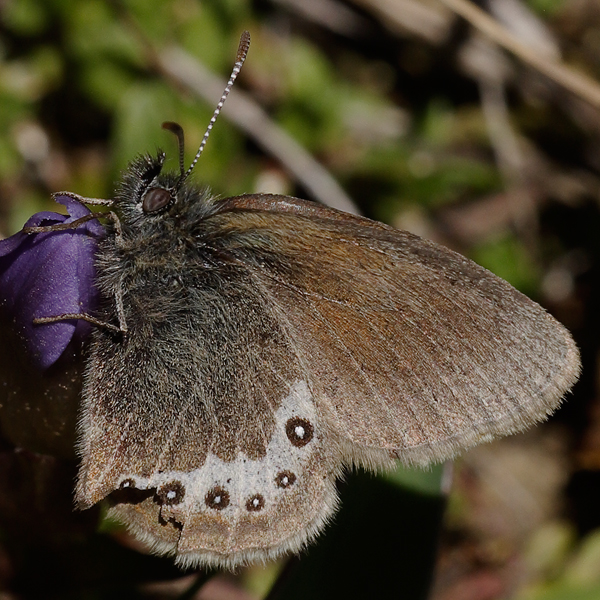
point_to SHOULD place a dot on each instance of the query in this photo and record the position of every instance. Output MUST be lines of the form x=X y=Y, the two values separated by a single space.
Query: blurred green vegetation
x=76 y=72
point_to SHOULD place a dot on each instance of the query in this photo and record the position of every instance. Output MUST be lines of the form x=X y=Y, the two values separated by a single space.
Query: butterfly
x=247 y=350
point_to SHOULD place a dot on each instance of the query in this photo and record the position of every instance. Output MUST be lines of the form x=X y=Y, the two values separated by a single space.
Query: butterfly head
x=149 y=200
x=145 y=194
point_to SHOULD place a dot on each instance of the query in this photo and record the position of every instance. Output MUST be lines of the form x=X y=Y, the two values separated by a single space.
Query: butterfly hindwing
x=241 y=465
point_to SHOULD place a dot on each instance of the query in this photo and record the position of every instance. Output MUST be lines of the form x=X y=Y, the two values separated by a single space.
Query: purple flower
x=47 y=275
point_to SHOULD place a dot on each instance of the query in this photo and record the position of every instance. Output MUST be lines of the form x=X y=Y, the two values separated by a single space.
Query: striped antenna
x=239 y=61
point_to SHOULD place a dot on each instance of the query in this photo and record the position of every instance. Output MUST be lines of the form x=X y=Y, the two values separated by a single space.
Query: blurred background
x=476 y=126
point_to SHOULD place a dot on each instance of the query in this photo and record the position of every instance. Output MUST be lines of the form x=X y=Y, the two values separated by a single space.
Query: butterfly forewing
x=412 y=348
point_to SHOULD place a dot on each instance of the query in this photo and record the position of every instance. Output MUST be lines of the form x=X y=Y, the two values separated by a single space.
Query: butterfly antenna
x=178 y=131
x=239 y=61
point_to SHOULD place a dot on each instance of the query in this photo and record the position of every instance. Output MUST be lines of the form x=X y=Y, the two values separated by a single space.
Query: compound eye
x=156 y=199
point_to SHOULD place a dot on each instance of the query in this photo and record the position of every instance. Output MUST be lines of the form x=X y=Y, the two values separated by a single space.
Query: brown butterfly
x=250 y=348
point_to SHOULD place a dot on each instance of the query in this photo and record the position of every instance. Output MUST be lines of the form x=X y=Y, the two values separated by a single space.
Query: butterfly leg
x=63 y=226
x=83 y=199
x=122 y=328
x=79 y=316
x=120 y=311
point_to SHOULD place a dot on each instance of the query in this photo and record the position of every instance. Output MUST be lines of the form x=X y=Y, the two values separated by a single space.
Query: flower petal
x=50 y=274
